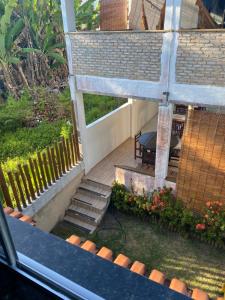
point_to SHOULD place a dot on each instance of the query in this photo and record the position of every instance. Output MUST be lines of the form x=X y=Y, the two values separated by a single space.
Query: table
x=179 y=118
x=148 y=141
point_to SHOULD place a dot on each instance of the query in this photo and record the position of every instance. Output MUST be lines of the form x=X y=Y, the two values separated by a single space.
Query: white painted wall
x=106 y=134
x=142 y=113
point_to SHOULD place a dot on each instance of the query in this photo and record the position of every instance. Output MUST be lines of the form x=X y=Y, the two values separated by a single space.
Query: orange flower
x=200 y=227
x=208 y=204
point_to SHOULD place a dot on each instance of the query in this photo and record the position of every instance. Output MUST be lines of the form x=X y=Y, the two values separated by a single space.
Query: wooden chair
x=181 y=109
x=148 y=157
x=178 y=128
x=137 y=147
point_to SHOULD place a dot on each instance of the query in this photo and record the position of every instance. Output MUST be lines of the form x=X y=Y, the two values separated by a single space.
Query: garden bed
x=163 y=207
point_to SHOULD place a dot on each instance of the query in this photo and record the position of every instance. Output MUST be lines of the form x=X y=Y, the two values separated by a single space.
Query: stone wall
x=130 y=55
x=201 y=58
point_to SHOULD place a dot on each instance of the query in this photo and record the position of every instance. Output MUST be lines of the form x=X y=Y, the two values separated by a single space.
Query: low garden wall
x=140 y=182
x=50 y=207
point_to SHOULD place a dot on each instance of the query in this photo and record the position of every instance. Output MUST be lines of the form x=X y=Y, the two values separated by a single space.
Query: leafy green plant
x=15 y=114
x=212 y=226
x=97 y=106
x=25 y=141
x=163 y=206
x=66 y=130
x=9 y=54
x=87 y=14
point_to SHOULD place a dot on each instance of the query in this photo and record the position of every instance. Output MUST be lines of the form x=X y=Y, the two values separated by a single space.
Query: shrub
x=97 y=106
x=25 y=141
x=213 y=228
x=165 y=207
x=15 y=114
x=50 y=106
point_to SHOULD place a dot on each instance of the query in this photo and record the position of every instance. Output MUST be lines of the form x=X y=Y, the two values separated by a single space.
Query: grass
x=97 y=106
x=196 y=263
x=19 y=141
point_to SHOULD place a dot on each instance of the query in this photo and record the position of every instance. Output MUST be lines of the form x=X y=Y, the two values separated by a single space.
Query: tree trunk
x=23 y=76
x=8 y=81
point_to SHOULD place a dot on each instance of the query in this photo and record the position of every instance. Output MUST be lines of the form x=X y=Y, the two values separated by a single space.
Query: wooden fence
x=24 y=185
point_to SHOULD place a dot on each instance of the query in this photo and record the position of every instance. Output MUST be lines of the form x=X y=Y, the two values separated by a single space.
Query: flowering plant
x=164 y=206
x=214 y=220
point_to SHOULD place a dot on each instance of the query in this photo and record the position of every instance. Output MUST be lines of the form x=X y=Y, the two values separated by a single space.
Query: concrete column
x=168 y=61
x=163 y=143
x=69 y=25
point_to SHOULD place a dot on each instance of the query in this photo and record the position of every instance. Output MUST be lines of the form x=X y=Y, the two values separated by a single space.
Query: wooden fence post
x=4 y=188
x=16 y=196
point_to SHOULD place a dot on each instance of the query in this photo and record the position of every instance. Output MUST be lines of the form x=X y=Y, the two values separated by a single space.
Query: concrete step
x=80 y=224
x=89 y=200
x=94 y=187
x=88 y=205
x=92 y=194
x=84 y=214
x=97 y=184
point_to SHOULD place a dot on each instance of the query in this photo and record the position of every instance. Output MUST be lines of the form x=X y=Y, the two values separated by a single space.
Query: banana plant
x=87 y=14
x=9 y=51
x=45 y=43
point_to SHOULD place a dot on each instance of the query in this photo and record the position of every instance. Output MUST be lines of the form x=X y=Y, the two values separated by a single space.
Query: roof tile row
x=140 y=268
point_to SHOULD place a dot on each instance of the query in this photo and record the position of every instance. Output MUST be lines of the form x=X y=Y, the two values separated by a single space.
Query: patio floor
x=104 y=171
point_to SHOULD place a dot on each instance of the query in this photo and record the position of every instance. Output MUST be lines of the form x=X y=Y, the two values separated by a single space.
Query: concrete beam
x=202 y=95
x=118 y=87
x=165 y=117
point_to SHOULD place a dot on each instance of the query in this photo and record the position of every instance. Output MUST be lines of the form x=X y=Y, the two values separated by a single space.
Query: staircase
x=88 y=205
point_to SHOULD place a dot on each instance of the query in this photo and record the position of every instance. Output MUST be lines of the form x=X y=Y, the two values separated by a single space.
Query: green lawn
x=196 y=263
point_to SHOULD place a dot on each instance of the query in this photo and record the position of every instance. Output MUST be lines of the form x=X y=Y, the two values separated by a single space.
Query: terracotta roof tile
x=157 y=276
x=74 y=240
x=178 y=286
x=16 y=214
x=8 y=210
x=105 y=253
x=89 y=246
x=198 y=294
x=138 y=268
x=122 y=261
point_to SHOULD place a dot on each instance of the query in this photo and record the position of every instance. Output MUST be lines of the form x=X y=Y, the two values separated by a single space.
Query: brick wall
x=201 y=58
x=131 y=55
